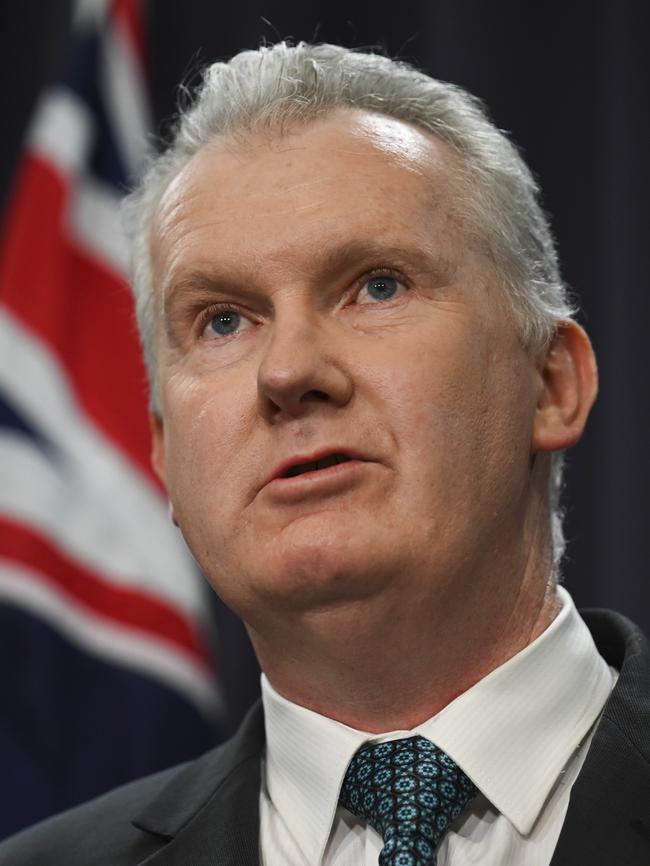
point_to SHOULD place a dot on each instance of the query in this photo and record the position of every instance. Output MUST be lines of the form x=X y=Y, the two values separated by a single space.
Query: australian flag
x=106 y=664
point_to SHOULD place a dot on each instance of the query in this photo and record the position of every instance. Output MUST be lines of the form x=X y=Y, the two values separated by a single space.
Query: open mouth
x=314 y=465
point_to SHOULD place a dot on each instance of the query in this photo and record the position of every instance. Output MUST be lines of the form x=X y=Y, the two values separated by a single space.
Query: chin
x=315 y=562
x=313 y=570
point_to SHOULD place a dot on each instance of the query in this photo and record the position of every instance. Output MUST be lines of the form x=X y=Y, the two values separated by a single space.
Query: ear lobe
x=157 y=445
x=569 y=384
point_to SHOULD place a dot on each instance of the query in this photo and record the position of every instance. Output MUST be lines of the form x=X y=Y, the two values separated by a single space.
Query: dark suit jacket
x=206 y=813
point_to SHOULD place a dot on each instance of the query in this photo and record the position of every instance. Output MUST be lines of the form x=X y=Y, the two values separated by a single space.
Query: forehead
x=351 y=173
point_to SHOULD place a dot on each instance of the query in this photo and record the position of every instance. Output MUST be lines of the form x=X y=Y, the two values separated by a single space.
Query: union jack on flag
x=105 y=665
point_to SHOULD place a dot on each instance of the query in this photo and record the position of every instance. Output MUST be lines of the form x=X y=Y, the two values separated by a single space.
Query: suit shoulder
x=97 y=833
x=127 y=825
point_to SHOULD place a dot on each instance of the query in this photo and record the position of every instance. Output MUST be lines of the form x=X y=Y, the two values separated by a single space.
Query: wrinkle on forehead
x=406 y=147
x=415 y=149
x=406 y=143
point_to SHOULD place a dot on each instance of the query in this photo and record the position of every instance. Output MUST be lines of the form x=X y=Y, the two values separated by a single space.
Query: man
x=364 y=371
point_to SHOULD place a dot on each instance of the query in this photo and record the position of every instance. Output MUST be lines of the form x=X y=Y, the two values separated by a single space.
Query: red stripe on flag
x=78 y=306
x=128 y=607
x=128 y=15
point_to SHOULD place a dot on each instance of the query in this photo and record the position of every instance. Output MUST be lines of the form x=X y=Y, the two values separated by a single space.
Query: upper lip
x=283 y=468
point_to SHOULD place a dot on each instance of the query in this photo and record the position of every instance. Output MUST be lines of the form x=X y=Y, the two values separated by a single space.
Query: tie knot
x=409 y=791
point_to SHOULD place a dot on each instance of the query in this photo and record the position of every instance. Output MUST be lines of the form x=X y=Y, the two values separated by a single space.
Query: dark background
x=570 y=81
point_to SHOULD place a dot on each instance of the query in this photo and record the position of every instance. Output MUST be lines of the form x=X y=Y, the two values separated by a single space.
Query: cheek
x=434 y=394
x=204 y=433
x=461 y=418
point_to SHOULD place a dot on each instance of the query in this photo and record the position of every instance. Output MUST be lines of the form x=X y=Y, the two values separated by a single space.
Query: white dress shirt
x=521 y=734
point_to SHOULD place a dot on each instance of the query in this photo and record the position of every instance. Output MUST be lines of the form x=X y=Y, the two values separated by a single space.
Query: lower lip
x=319 y=482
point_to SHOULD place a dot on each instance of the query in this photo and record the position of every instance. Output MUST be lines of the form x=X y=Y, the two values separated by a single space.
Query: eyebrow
x=198 y=287
x=203 y=284
x=361 y=253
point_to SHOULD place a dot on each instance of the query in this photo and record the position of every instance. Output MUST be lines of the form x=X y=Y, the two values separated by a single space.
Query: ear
x=158 y=454
x=157 y=445
x=569 y=384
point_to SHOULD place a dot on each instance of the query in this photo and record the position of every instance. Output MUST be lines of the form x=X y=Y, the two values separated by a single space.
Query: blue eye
x=382 y=288
x=225 y=323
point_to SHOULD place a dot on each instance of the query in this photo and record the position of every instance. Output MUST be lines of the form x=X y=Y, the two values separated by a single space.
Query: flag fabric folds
x=106 y=664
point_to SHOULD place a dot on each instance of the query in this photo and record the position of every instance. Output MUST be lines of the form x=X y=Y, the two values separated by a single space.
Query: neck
x=386 y=665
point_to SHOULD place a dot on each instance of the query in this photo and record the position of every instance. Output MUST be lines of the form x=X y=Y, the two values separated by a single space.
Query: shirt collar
x=512 y=733
x=307 y=756
x=515 y=730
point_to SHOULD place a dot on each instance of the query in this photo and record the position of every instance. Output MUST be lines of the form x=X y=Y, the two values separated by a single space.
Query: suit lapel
x=225 y=832
x=208 y=815
x=608 y=820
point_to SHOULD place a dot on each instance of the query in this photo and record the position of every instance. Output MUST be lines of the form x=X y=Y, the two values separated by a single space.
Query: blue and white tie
x=410 y=791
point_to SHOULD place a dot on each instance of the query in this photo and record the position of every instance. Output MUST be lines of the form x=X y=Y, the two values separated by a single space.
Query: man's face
x=321 y=299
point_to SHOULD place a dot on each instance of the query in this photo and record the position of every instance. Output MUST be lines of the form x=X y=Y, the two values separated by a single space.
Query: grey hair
x=281 y=86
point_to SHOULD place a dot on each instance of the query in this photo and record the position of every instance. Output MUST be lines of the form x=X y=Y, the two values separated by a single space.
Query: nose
x=301 y=369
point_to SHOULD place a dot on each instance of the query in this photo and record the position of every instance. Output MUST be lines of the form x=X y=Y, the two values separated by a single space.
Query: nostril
x=321 y=396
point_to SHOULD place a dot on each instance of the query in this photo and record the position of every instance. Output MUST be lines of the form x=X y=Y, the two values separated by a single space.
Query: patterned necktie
x=409 y=791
